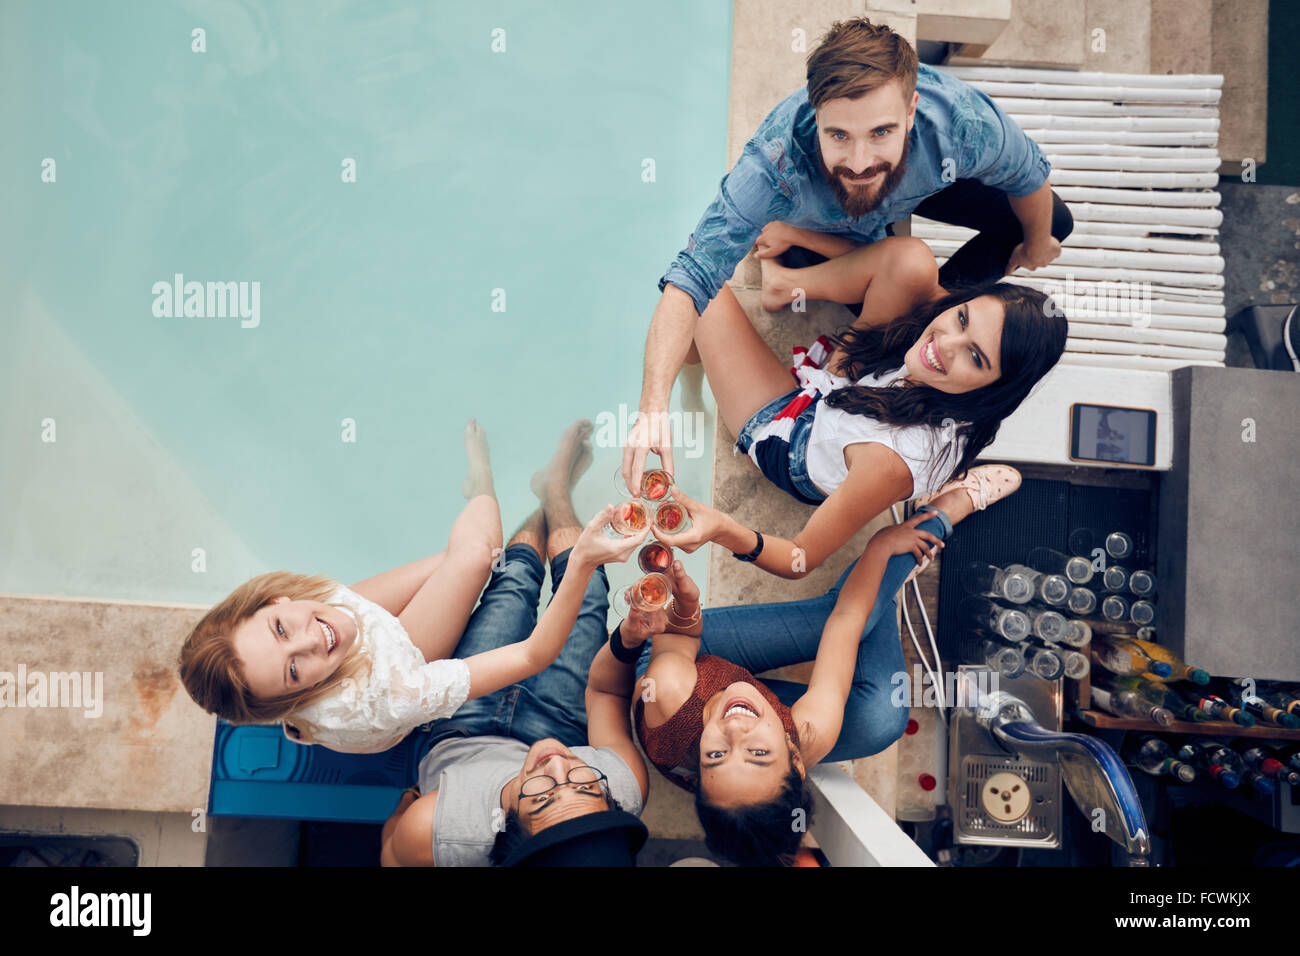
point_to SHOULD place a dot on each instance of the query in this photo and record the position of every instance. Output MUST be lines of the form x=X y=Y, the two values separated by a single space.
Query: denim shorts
x=783 y=463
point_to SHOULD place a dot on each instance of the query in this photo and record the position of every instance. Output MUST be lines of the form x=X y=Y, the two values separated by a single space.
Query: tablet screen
x=1122 y=435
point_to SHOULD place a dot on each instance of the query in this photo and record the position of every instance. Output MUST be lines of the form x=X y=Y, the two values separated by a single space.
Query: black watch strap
x=753 y=555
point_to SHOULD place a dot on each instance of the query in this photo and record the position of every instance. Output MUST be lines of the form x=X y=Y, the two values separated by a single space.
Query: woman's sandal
x=985 y=484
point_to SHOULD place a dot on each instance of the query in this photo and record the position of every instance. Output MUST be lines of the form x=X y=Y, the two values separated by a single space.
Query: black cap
x=606 y=838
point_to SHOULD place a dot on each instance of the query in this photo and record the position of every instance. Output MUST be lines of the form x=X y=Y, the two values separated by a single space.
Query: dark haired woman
x=898 y=410
x=744 y=745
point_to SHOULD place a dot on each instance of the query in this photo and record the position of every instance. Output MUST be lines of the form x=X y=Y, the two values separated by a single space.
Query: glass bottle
x=1281 y=697
x=1258 y=782
x=1114 y=578
x=1006 y=659
x=1125 y=703
x=1076 y=633
x=988 y=580
x=1042 y=661
x=1209 y=756
x=1077 y=666
x=1051 y=589
x=1263 y=785
x=1218 y=708
x=1289 y=754
x=1142 y=613
x=1047 y=624
x=1114 y=608
x=1237 y=692
x=1082 y=601
x=1178 y=669
x=1258 y=757
x=1268 y=760
x=1161 y=695
x=1076 y=569
x=1119 y=545
x=1122 y=655
x=1142 y=583
x=1010 y=623
x=1156 y=757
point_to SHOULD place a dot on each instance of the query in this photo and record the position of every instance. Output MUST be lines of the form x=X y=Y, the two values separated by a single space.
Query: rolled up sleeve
x=749 y=197
x=996 y=151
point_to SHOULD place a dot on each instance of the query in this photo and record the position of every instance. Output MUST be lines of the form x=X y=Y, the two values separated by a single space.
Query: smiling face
x=292 y=646
x=961 y=350
x=552 y=759
x=744 y=749
x=864 y=143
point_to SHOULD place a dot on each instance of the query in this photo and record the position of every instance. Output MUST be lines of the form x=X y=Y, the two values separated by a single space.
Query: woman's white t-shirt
x=373 y=711
x=928 y=453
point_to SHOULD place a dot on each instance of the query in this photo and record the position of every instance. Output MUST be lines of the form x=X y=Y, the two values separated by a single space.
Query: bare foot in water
x=572 y=458
x=478 y=477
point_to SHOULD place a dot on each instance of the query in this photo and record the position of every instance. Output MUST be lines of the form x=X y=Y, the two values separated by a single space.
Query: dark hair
x=1034 y=330
x=513 y=834
x=758 y=834
x=857 y=56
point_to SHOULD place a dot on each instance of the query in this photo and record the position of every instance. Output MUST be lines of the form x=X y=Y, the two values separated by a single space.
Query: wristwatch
x=753 y=555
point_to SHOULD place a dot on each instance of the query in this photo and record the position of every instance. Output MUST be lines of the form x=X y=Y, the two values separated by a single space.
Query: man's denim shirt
x=958 y=133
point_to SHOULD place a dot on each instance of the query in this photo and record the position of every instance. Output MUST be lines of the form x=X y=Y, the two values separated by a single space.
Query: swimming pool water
x=156 y=457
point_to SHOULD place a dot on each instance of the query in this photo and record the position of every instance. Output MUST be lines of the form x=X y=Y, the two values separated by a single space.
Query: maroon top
x=674 y=746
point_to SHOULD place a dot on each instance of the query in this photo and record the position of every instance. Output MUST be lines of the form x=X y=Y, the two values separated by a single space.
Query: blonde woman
x=357 y=669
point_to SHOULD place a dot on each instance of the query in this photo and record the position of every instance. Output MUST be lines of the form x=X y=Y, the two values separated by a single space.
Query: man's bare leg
x=554 y=485
x=532 y=533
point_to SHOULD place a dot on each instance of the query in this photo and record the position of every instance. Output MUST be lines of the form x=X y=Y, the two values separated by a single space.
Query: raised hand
x=596 y=547
x=775 y=239
x=907 y=538
x=1034 y=256
x=641 y=625
x=651 y=433
x=706 y=523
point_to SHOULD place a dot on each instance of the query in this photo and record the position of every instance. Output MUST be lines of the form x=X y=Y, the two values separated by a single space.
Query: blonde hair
x=213 y=673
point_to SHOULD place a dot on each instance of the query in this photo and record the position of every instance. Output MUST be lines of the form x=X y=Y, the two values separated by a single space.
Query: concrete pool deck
x=769 y=45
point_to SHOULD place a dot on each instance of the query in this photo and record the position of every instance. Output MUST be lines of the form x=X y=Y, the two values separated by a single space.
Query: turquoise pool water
x=166 y=458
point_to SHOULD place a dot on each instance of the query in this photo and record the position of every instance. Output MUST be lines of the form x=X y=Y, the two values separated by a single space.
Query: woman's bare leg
x=436 y=616
x=744 y=374
x=888 y=277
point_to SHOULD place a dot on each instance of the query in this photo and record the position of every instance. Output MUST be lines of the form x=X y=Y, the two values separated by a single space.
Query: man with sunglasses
x=529 y=776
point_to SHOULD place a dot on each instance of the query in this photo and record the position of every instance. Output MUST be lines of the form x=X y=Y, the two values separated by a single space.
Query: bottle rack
x=1205 y=728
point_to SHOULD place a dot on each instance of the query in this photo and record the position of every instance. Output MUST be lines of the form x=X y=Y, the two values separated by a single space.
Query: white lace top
x=371 y=712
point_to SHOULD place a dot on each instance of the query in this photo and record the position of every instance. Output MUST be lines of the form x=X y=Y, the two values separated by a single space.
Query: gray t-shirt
x=469 y=772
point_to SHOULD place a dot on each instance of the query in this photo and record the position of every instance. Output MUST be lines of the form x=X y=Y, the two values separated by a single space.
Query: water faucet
x=1093 y=773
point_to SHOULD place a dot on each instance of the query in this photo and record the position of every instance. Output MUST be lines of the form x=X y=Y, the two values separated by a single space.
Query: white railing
x=1135 y=159
x=851 y=829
